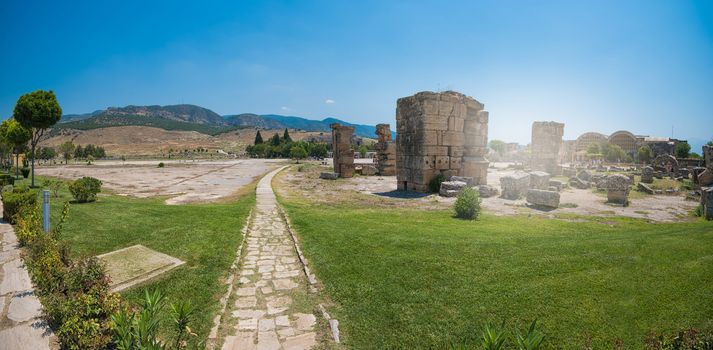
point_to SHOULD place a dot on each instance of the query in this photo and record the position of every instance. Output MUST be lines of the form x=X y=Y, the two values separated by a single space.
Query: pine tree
x=275 y=140
x=286 y=136
x=258 y=138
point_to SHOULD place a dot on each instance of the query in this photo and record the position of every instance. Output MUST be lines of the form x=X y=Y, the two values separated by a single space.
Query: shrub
x=161 y=165
x=6 y=179
x=6 y=189
x=15 y=200
x=435 y=184
x=25 y=172
x=85 y=189
x=467 y=205
x=54 y=185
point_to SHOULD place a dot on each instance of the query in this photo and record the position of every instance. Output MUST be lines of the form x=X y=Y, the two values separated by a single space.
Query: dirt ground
x=183 y=181
x=381 y=191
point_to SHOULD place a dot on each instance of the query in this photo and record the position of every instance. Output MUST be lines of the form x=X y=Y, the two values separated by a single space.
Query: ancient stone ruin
x=707 y=202
x=385 y=151
x=545 y=146
x=647 y=174
x=343 y=156
x=708 y=156
x=539 y=180
x=617 y=187
x=440 y=134
x=515 y=186
x=543 y=198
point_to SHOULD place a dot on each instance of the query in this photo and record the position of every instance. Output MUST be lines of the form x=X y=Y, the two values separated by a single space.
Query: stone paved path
x=20 y=310
x=264 y=314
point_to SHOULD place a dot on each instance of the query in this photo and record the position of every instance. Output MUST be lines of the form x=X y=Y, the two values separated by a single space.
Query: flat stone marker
x=132 y=265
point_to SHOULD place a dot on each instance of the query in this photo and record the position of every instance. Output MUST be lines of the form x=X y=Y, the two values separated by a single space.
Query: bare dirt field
x=380 y=191
x=183 y=181
x=138 y=141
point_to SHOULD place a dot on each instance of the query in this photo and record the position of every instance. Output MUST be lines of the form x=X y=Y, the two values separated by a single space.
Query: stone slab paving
x=20 y=310
x=269 y=275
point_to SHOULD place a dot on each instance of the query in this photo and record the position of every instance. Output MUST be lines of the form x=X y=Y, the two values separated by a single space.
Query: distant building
x=628 y=142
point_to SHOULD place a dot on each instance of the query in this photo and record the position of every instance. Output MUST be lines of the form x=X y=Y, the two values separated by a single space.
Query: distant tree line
x=285 y=147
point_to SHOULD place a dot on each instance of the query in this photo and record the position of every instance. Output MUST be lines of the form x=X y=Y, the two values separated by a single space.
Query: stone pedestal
x=515 y=186
x=707 y=202
x=647 y=174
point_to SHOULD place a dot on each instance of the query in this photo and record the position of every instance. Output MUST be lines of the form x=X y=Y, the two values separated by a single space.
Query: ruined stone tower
x=343 y=156
x=440 y=133
x=545 y=146
x=385 y=151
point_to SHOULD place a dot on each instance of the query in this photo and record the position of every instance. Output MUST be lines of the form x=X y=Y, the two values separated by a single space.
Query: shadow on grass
x=402 y=194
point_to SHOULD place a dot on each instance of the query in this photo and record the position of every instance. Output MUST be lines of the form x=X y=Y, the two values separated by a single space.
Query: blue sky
x=644 y=66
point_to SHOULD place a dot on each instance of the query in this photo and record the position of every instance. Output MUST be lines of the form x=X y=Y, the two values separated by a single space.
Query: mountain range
x=186 y=117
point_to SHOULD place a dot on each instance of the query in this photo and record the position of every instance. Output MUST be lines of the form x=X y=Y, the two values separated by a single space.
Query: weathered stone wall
x=343 y=156
x=440 y=133
x=385 y=151
x=545 y=146
x=708 y=156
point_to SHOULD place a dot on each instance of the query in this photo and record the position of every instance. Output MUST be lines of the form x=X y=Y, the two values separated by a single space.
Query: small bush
x=25 y=172
x=15 y=200
x=54 y=185
x=467 y=205
x=7 y=179
x=435 y=184
x=85 y=189
x=6 y=189
x=161 y=165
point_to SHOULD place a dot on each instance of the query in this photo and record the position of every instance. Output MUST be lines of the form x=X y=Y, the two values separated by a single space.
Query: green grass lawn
x=205 y=236
x=404 y=278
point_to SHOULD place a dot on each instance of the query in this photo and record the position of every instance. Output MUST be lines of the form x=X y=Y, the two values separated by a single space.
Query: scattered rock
x=368 y=170
x=585 y=175
x=558 y=185
x=487 y=191
x=543 y=198
x=329 y=176
x=707 y=202
x=451 y=188
x=642 y=187
x=579 y=183
x=617 y=187
x=539 y=180
x=647 y=174
x=468 y=180
x=515 y=186
x=705 y=178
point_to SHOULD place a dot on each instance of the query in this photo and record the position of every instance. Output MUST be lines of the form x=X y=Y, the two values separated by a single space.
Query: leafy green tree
x=17 y=136
x=67 y=149
x=258 y=138
x=644 y=154
x=37 y=111
x=682 y=149
x=695 y=155
x=363 y=149
x=497 y=146
x=286 y=136
x=709 y=143
x=298 y=152
x=46 y=153
x=79 y=152
x=594 y=149
x=319 y=150
x=614 y=153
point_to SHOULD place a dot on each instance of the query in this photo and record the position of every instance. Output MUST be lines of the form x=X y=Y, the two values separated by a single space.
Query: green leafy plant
x=532 y=340
x=85 y=189
x=467 y=205
x=54 y=185
x=15 y=200
x=493 y=338
x=435 y=184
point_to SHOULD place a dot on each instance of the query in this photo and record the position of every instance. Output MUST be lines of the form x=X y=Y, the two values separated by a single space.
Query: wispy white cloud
x=286 y=109
x=329 y=101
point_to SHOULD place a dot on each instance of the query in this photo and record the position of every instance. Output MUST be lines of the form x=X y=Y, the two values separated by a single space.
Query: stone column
x=545 y=146
x=708 y=156
x=343 y=156
x=385 y=151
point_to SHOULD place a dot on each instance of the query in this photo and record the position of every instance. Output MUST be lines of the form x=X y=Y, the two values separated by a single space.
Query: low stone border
x=311 y=278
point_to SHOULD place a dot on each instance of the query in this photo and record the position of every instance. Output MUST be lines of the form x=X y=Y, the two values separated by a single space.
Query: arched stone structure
x=626 y=140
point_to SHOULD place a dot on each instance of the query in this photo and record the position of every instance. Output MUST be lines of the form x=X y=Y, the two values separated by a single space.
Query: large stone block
x=705 y=178
x=468 y=180
x=328 y=176
x=647 y=174
x=487 y=191
x=539 y=180
x=617 y=187
x=451 y=188
x=514 y=186
x=343 y=156
x=708 y=156
x=707 y=202
x=543 y=198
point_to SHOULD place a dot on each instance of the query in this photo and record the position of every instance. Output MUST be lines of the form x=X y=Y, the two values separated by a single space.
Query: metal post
x=46 y=210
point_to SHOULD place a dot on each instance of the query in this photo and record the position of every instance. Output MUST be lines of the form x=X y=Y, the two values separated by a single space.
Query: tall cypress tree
x=286 y=136
x=258 y=138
